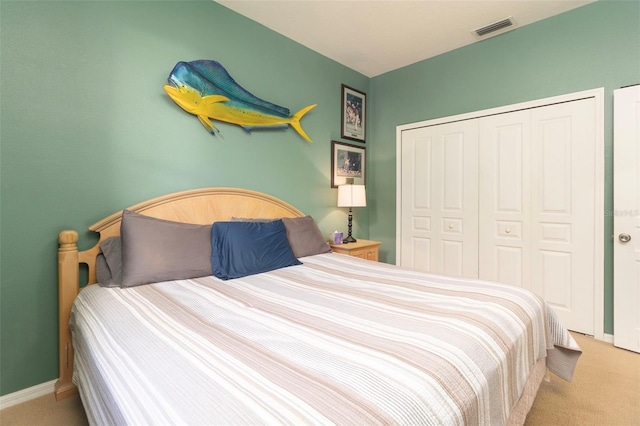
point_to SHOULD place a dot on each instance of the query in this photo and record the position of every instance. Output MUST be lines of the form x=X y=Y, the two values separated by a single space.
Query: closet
x=513 y=194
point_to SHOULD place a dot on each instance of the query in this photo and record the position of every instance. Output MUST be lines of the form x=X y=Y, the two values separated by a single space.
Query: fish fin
x=295 y=121
x=212 y=99
x=208 y=124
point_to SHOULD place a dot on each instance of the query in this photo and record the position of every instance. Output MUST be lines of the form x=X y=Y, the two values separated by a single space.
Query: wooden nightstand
x=364 y=249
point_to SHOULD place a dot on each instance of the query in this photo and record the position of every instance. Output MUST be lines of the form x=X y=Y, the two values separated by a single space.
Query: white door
x=537 y=205
x=505 y=201
x=439 y=231
x=539 y=183
x=564 y=210
x=626 y=222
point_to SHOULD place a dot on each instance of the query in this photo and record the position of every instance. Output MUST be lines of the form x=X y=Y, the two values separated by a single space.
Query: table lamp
x=351 y=196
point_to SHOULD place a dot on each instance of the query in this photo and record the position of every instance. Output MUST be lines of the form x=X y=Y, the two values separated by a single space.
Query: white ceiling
x=377 y=36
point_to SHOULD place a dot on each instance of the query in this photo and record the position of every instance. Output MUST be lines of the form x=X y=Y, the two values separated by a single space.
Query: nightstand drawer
x=364 y=249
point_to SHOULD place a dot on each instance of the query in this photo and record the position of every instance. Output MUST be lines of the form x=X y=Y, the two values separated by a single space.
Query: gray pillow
x=303 y=234
x=103 y=273
x=109 y=263
x=155 y=250
x=305 y=237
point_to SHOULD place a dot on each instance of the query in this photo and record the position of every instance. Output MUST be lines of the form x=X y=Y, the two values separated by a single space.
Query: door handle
x=624 y=238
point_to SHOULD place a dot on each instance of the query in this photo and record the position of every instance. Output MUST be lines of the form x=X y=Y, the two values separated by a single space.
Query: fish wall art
x=205 y=89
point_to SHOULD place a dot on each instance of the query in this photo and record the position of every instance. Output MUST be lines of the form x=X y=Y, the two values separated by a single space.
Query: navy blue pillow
x=239 y=249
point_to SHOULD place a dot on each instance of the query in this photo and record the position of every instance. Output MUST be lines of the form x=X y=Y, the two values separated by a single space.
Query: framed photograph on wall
x=354 y=111
x=347 y=162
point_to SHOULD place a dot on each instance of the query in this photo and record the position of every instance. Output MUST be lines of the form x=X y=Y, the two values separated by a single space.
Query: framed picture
x=347 y=162
x=354 y=109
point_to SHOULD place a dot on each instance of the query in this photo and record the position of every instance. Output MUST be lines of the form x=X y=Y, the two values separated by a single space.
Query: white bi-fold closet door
x=439 y=199
x=511 y=195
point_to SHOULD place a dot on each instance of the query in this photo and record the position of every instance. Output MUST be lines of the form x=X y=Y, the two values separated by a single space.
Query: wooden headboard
x=200 y=206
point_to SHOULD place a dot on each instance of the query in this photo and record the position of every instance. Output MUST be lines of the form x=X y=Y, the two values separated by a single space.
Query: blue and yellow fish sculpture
x=205 y=89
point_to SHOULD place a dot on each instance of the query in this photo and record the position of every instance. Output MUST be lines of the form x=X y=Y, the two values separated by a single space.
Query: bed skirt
x=524 y=404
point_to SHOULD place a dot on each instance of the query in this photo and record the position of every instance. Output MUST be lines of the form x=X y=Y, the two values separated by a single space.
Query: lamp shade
x=352 y=196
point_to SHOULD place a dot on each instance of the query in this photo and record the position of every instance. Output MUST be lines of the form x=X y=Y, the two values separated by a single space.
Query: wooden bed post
x=68 y=287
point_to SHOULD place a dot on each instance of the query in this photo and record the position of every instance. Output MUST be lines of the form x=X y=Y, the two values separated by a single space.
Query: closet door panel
x=416 y=200
x=564 y=210
x=456 y=197
x=504 y=188
x=440 y=200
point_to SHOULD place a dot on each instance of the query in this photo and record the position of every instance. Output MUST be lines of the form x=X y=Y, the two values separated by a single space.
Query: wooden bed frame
x=199 y=206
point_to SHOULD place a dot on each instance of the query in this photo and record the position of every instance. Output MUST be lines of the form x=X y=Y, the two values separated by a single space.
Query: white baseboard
x=608 y=338
x=28 y=394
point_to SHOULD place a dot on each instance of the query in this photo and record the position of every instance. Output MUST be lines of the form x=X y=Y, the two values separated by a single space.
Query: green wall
x=86 y=129
x=597 y=45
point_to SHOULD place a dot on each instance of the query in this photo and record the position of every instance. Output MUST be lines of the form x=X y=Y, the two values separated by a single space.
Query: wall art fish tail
x=205 y=89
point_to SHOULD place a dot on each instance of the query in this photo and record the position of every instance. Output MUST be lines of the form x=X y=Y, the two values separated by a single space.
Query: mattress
x=336 y=340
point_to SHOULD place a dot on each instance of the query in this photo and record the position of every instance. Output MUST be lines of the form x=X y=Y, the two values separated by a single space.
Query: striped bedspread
x=337 y=340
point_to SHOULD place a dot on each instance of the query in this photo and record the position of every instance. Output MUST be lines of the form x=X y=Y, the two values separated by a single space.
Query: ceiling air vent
x=495 y=28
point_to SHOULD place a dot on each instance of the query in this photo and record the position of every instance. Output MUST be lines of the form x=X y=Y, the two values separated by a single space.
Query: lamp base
x=349 y=239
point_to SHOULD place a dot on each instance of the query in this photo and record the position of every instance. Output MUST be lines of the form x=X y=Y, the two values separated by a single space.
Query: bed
x=320 y=338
